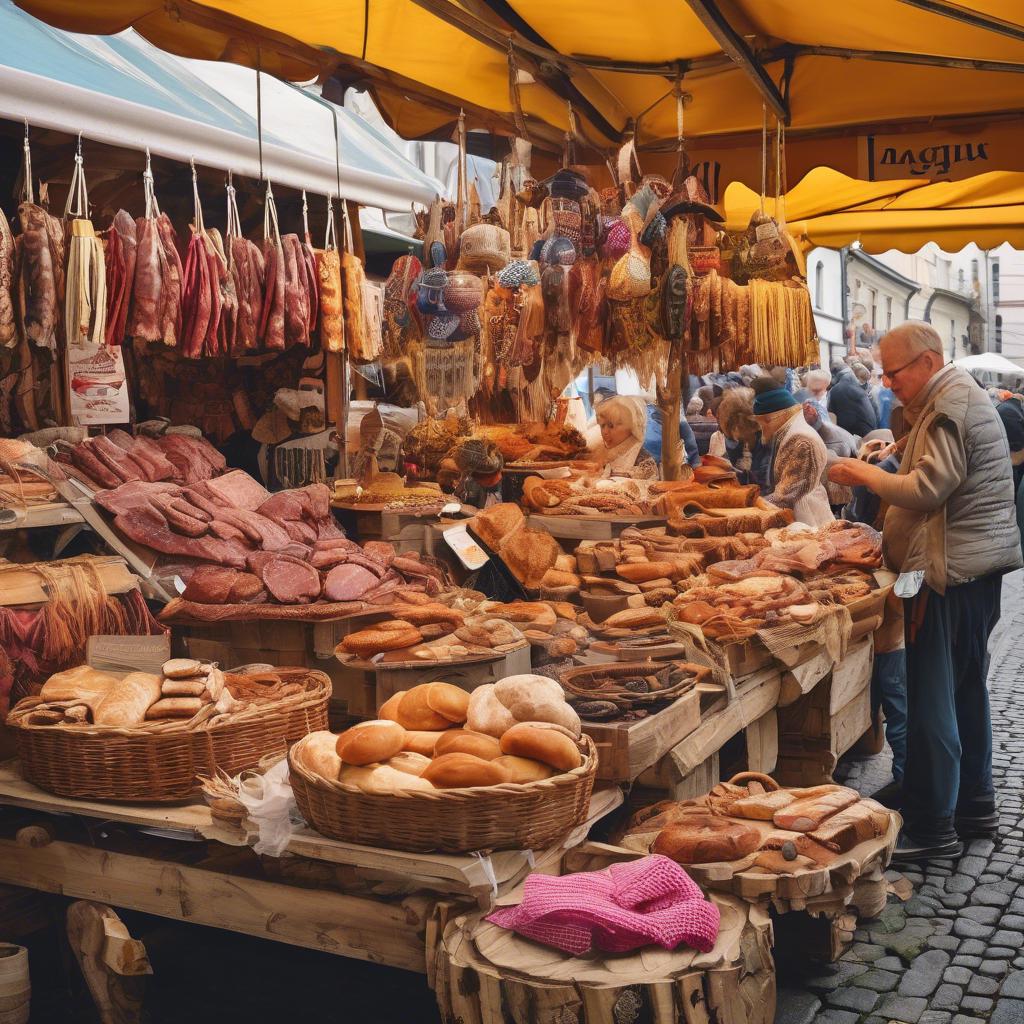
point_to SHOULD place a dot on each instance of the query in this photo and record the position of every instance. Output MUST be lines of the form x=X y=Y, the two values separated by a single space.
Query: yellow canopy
x=851 y=79
x=828 y=208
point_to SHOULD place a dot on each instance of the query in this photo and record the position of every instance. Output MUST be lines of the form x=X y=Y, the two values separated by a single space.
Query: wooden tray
x=626 y=749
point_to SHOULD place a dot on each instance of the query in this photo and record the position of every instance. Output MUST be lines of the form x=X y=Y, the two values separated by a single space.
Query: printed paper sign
x=97 y=385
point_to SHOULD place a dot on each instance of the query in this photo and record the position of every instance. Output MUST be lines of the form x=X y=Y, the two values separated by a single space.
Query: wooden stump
x=113 y=963
x=486 y=975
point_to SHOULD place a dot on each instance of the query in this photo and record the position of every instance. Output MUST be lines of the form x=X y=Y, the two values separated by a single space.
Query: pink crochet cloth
x=626 y=906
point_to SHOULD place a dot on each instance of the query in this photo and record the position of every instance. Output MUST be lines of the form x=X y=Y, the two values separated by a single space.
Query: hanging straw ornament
x=328 y=272
x=85 y=302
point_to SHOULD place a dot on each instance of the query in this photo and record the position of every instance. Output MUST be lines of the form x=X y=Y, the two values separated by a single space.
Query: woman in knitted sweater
x=798 y=456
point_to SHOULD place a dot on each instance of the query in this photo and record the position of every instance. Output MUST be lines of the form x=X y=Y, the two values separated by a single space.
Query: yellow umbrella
x=828 y=208
x=844 y=76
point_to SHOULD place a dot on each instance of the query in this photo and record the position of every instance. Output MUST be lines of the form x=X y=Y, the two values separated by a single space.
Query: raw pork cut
x=210 y=584
x=147 y=527
x=290 y=580
x=348 y=582
x=239 y=490
x=134 y=494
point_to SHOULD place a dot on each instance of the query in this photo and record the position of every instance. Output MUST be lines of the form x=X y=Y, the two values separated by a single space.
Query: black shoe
x=977 y=818
x=912 y=849
x=890 y=796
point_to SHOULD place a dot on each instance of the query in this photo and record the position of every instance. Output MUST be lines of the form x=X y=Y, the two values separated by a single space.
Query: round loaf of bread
x=543 y=741
x=486 y=713
x=318 y=754
x=369 y=742
x=459 y=771
x=448 y=701
x=391 y=635
x=462 y=741
x=706 y=839
x=407 y=761
x=421 y=741
x=533 y=698
x=415 y=712
x=381 y=778
x=389 y=709
x=523 y=769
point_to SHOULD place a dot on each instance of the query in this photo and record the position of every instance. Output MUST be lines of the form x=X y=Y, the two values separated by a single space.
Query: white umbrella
x=989 y=362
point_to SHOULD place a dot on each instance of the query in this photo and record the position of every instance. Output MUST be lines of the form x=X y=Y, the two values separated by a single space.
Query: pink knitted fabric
x=626 y=906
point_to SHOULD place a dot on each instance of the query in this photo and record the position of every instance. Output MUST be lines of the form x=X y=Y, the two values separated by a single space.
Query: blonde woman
x=622 y=421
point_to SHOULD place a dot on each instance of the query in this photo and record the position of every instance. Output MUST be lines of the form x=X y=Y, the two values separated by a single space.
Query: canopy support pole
x=967 y=16
x=670 y=401
x=736 y=47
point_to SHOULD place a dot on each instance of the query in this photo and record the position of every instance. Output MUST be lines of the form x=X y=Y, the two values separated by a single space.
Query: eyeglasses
x=888 y=378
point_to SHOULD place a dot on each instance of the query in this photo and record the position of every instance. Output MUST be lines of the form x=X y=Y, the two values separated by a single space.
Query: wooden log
x=762 y=738
x=351 y=926
x=113 y=963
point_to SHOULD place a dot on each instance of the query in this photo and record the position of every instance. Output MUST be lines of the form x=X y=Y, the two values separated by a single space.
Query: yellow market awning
x=828 y=208
x=877 y=89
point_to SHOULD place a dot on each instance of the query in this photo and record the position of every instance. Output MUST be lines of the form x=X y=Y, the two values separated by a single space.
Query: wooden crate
x=468 y=675
x=626 y=749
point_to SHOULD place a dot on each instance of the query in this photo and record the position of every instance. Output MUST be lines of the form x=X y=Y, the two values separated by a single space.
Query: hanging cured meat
x=120 y=261
x=296 y=293
x=147 y=287
x=196 y=304
x=41 y=276
x=8 y=327
x=173 y=281
x=272 y=327
x=245 y=267
x=227 y=325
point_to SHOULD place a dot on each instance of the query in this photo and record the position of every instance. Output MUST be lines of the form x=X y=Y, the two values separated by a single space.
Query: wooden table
x=366 y=903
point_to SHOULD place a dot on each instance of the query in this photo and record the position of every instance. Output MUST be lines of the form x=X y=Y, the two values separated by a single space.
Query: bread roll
x=407 y=761
x=174 y=707
x=523 y=769
x=635 y=618
x=389 y=709
x=414 y=711
x=80 y=683
x=705 y=839
x=545 y=742
x=126 y=703
x=448 y=701
x=391 y=635
x=458 y=771
x=182 y=668
x=317 y=753
x=461 y=741
x=532 y=698
x=421 y=741
x=183 y=687
x=380 y=778
x=642 y=572
x=370 y=741
x=486 y=713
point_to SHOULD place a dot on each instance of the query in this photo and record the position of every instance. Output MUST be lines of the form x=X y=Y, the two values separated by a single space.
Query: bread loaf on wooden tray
x=808 y=814
x=854 y=824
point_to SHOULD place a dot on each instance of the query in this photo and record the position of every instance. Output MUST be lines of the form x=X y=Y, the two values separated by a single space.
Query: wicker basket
x=159 y=761
x=527 y=816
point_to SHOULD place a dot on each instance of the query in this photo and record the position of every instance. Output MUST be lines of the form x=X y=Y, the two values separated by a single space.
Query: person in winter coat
x=849 y=403
x=799 y=456
x=951 y=533
x=840 y=444
x=1010 y=410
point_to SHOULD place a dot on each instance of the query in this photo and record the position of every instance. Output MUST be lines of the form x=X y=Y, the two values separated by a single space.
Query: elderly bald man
x=951 y=534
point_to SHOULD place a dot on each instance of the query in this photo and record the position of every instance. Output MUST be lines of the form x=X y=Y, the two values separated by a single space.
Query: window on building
x=961 y=279
x=819 y=286
x=999 y=334
x=952 y=339
x=873 y=310
x=995 y=280
x=856 y=289
x=974 y=271
x=888 y=312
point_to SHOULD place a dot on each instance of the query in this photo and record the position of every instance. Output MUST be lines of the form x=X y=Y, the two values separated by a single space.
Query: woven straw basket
x=159 y=761
x=527 y=816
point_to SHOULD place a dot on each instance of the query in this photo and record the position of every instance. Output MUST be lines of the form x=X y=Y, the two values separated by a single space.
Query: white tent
x=990 y=362
x=123 y=91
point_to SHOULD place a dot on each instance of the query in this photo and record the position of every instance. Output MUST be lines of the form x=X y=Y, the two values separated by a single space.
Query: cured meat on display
x=120 y=261
x=8 y=322
x=40 y=285
x=147 y=308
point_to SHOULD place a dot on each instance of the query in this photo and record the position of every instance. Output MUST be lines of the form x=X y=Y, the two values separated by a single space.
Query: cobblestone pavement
x=954 y=952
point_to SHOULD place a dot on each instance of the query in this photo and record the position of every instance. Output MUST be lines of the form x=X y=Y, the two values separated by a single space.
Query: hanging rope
x=259 y=114
x=78 y=193
x=764 y=153
x=28 y=191
x=514 y=94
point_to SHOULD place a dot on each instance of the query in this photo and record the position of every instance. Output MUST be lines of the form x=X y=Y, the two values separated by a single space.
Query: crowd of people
x=935 y=460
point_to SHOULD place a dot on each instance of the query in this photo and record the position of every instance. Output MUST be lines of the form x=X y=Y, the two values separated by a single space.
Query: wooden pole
x=670 y=403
